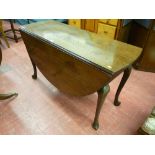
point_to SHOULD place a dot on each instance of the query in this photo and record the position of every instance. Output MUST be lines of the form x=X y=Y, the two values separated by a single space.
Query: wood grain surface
x=77 y=62
x=107 y=54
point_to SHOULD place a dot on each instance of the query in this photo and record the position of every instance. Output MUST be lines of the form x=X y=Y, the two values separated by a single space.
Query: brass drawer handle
x=106 y=32
x=74 y=22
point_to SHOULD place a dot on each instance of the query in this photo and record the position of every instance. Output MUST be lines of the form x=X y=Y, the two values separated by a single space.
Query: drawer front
x=90 y=25
x=75 y=22
x=109 y=21
x=107 y=30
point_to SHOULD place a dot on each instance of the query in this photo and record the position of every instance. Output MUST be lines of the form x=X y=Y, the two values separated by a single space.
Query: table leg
x=34 y=76
x=102 y=93
x=7 y=96
x=121 y=85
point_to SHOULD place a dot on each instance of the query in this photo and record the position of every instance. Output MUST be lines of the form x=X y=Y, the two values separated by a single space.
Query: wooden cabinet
x=108 y=30
x=147 y=62
x=109 y=21
x=75 y=22
x=105 y=27
x=143 y=35
x=89 y=24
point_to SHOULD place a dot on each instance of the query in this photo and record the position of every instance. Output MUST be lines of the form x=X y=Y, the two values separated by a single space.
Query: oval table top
x=107 y=54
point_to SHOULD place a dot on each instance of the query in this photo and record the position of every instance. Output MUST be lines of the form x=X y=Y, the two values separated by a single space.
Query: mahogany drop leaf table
x=76 y=61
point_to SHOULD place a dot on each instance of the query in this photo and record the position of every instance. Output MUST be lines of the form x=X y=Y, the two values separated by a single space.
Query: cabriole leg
x=102 y=93
x=121 y=85
x=34 y=76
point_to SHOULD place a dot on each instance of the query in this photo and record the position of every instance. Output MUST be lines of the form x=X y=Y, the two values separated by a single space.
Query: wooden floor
x=41 y=109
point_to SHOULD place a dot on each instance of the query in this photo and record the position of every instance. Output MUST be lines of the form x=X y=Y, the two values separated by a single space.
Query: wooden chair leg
x=4 y=36
x=13 y=30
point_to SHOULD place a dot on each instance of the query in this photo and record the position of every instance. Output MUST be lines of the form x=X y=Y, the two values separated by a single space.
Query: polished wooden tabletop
x=107 y=54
